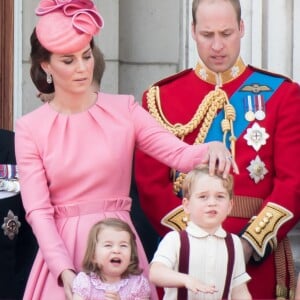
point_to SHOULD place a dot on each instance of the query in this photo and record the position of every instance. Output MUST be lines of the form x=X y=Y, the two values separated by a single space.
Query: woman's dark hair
x=38 y=55
x=99 y=66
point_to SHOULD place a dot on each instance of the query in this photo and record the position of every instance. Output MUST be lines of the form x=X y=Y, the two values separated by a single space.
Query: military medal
x=9 y=186
x=256 y=136
x=257 y=169
x=11 y=225
x=8 y=180
x=259 y=107
x=249 y=114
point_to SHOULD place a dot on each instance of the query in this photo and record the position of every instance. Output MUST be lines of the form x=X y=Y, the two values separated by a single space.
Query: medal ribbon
x=8 y=171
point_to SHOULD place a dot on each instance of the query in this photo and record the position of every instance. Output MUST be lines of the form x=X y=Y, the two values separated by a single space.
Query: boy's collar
x=199 y=232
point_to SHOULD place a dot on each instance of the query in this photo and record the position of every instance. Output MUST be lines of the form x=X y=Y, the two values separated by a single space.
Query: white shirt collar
x=196 y=231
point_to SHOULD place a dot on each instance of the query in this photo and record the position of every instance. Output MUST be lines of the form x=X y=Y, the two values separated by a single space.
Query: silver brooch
x=257 y=169
x=256 y=136
x=11 y=225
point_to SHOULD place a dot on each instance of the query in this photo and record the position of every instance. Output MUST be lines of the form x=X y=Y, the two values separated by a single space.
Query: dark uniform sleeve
x=17 y=252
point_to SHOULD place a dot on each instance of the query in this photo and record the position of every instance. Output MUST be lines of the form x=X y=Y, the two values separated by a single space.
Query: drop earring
x=48 y=78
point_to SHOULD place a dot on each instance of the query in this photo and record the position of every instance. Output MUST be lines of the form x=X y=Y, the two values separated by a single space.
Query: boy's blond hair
x=197 y=172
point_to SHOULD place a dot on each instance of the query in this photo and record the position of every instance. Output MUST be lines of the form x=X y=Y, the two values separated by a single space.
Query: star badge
x=11 y=225
x=256 y=136
x=257 y=169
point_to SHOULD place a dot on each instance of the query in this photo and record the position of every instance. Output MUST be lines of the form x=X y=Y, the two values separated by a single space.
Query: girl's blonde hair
x=89 y=265
x=199 y=171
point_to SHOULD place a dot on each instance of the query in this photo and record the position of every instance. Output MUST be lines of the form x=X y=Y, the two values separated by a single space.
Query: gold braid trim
x=264 y=227
x=206 y=112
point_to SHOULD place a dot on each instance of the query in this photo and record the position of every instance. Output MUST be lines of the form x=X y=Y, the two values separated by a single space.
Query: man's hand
x=248 y=250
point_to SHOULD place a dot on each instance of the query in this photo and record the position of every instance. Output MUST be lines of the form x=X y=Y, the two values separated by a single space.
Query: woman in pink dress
x=75 y=152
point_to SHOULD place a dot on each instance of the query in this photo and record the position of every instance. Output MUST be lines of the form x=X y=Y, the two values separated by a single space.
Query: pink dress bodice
x=90 y=287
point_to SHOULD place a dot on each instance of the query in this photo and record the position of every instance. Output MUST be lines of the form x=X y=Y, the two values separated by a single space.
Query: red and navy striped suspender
x=184 y=263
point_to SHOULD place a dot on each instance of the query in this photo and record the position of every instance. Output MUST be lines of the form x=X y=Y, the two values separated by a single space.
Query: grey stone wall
x=149 y=43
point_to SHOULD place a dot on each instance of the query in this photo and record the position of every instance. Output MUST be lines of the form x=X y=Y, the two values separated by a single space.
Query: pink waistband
x=100 y=206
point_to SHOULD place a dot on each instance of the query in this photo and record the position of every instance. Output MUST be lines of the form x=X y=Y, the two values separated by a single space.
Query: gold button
x=266 y=220
x=258 y=229
x=262 y=224
x=269 y=215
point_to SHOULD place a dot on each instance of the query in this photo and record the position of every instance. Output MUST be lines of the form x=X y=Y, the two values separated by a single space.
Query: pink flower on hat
x=67 y=26
x=85 y=17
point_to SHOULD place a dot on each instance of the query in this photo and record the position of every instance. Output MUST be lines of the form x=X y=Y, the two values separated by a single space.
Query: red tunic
x=180 y=96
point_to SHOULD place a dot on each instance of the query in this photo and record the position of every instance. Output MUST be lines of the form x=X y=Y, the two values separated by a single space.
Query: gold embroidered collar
x=219 y=79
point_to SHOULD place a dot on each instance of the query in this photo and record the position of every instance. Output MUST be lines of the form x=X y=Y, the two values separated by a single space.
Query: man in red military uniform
x=256 y=114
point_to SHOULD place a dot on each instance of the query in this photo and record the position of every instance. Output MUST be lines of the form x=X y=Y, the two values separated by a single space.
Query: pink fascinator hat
x=66 y=26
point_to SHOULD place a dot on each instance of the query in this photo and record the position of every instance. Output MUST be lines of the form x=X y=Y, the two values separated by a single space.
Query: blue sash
x=271 y=83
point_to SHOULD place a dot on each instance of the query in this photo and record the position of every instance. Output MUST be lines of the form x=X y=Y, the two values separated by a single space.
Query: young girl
x=111 y=265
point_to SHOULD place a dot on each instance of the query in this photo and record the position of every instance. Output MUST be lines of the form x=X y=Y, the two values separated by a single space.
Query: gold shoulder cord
x=206 y=112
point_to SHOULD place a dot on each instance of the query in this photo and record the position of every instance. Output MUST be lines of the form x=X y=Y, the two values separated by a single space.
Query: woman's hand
x=219 y=158
x=67 y=277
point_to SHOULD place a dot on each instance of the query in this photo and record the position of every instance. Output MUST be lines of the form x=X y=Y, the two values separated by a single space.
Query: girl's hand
x=67 y=277
x=109 y=295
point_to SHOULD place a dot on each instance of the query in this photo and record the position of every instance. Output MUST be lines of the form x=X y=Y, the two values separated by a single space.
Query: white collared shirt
x=208 y=260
